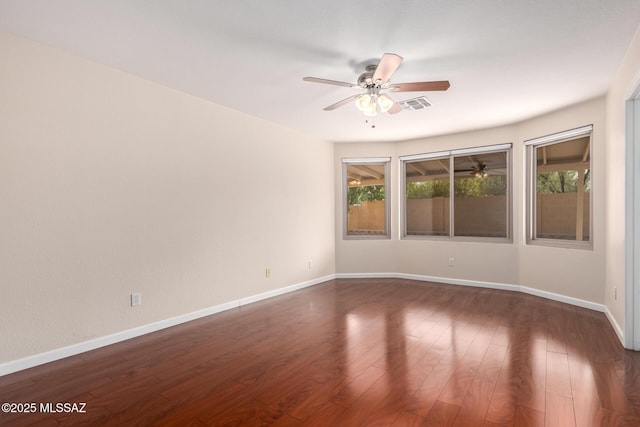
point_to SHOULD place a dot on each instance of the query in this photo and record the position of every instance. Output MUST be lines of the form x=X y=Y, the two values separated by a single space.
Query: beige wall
x=377 y=251
x=111 y=184
x=627 y=78
x=569 y=272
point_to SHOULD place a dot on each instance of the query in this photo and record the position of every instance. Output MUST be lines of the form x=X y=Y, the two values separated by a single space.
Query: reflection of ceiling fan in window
x=375 y=82
x=479 y=168
x=480 y=171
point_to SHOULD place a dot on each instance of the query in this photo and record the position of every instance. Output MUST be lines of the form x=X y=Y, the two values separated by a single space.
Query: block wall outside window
x=366 y=211
x=480 y=188
x=458 y=194
x=427 y=194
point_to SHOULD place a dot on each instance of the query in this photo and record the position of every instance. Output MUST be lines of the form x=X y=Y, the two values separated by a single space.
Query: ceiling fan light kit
x=369 y=102
x=375 y=80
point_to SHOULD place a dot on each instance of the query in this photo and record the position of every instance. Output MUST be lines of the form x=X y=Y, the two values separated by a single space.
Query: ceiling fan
x=480 y=169
x=375 y=81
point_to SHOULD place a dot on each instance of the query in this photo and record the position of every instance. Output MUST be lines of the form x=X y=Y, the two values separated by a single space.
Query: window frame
x=364 y=161
x=451 y=155
x=531 y=194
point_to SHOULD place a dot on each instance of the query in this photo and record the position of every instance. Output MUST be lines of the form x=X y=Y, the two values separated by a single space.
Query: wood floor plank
x=556 y=337
x=533 y=375
x=475 y=404
x=308 y=400
x=329 y=414
x=250 y=413
x=442 y=415
x=407 y=419
x=362 y=408
x=399 y=397
x=30 y=420
x=612 y=394
x=203 y=380
x=491 y=364
x=208 y=407
x=480 y=344
x=352 y=388
x=557 y=379
x=585 y=396
x=501 y=336
x=427 y=394
x=559 y=411
x=628 y=372
x=502 y=409
x=527 y=417
x=456 y=388
x=354 y=352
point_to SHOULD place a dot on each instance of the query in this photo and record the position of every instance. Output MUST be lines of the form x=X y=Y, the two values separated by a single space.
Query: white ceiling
x=506 y=60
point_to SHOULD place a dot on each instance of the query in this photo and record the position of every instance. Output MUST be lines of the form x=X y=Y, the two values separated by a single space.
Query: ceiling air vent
x=415 y=104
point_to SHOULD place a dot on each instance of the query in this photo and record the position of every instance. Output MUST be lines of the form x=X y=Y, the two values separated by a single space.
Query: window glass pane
x=427 y=197
x=480 y=195
x=563 y=190
x=366 y=199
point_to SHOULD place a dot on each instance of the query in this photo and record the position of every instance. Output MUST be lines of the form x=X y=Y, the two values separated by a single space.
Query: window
x=477 y=205
x=559 y=184
x=427 y=197
x=480 y=188
x=366 y=188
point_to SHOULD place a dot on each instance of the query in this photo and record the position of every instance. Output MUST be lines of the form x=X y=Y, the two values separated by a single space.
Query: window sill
x=564 y=244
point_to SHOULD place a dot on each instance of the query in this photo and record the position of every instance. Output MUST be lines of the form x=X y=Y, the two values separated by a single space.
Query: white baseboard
x=616 y=327
x=563 y=298
x=285 y=290
x=60 y=353
x=71 y=350
x=460 y=282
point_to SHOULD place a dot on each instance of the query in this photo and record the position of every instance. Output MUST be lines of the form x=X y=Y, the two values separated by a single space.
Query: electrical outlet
x=309 y=264
x=452 y=262
x=136 y=299
x=615 y=294
x=267 y=272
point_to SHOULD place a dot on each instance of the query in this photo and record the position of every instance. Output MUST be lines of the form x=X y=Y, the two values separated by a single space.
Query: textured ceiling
x=506 y=60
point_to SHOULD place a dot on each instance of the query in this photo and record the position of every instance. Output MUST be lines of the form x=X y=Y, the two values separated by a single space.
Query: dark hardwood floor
x=349 y=353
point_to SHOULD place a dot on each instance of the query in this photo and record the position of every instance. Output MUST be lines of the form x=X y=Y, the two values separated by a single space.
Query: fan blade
x=395 y=107
x=341 y=103
x=420 y=86
x=388 y=64
x=328 y=82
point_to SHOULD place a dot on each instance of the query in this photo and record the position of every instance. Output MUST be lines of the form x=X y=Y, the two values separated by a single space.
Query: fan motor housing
x=366 y=79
